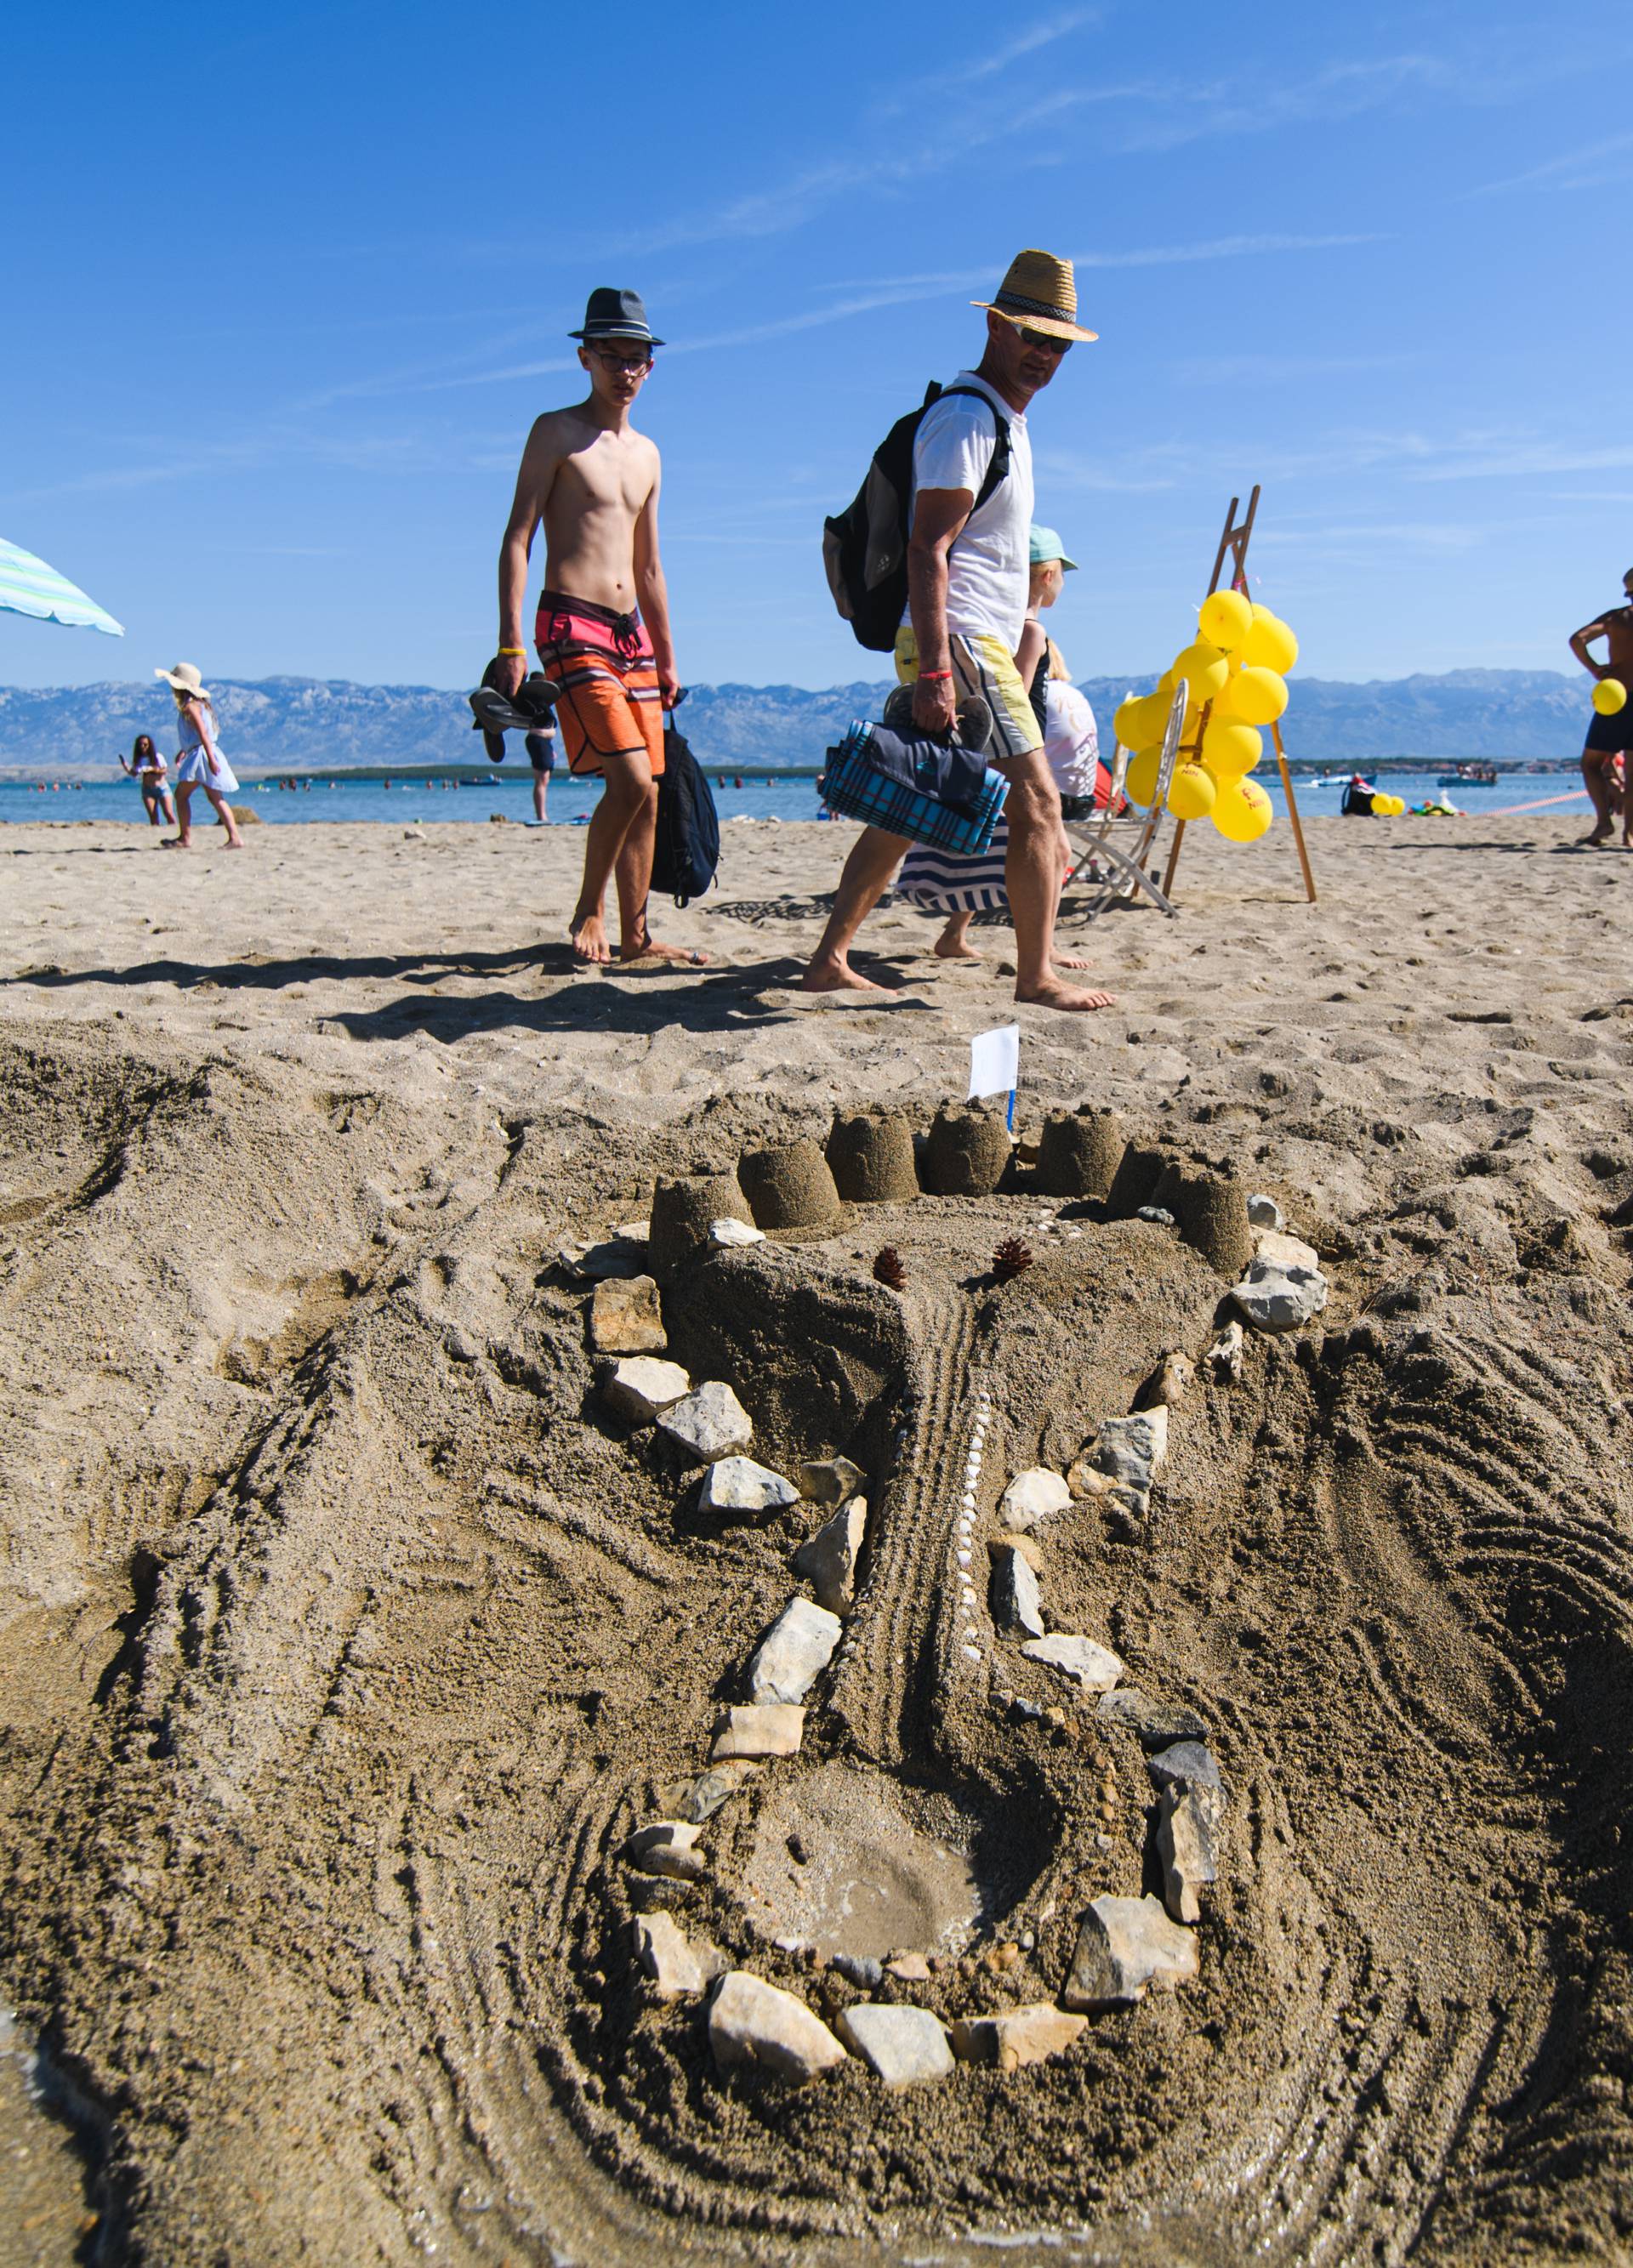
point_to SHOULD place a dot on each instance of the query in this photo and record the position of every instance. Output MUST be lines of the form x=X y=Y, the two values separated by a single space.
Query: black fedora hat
x=616 y=315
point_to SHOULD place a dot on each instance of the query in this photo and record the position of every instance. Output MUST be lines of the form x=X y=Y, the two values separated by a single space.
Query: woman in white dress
x=199 y=761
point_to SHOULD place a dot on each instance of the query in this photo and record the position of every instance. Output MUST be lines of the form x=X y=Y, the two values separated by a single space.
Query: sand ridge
x=349 y=1637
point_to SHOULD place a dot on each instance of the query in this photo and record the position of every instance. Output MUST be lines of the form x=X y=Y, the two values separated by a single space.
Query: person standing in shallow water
x=967 y=584
x=602 y=628
x=199 y=761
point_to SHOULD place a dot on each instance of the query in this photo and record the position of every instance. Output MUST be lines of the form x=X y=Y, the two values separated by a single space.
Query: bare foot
x=958 y=952
x=1596 y=841
x=836 y=976
x=1053 y=994
x=1071 y=960
x=647 y=948
x=174 y=842
x=589 y=939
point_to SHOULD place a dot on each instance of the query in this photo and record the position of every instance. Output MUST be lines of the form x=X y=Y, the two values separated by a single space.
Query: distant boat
x=1476 y=774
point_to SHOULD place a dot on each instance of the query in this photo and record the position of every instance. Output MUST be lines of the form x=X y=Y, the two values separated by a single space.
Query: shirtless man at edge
x=1031 y=326
x=1609 y=736
x=602 y=629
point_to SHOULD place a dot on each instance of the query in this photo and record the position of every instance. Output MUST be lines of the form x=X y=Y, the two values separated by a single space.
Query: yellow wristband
x=512 y=653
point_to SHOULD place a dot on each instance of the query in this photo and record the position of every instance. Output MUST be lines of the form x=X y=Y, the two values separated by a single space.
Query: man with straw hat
x=968 y=580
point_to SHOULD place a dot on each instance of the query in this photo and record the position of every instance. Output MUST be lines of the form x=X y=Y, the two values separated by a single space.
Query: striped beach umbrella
x=28 y=586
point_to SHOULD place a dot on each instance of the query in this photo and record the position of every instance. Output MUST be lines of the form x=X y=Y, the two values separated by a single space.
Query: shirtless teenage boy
x=1609 y=736
x=602 y=628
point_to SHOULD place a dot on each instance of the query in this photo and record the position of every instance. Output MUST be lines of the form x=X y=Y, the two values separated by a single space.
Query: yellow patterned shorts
x=983 y=664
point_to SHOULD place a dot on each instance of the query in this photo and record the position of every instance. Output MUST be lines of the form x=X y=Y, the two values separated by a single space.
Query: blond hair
x=1056 y=664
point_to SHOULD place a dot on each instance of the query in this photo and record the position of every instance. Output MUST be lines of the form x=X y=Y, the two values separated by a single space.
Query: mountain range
x=303 y=724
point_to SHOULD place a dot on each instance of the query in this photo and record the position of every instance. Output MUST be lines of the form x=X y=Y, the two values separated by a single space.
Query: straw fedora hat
x=1040 y=294
x=185 y=678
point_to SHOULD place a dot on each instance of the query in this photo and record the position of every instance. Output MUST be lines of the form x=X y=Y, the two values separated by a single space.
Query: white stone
x=633 y=1231
x=709 y=1423
x=665 y=1846
x=641 y=1387
x=772 y=1729
x=626 y=1316
x=1277 y=1298
x=1123 y=1946
x=794 y=1652
x=1286 y=1251
x=752 y=2022
x=1015 y=1606
x=831 y=1480
x=1224 y=1357
x=1129 y=1451
x=905 y=2047
x=1264 y=1212
x=1033 y=1496
x=828 y=1561
x=1096 y=1668
x=1184 y=1847
x=673 y=1965
x=738 y=1484
x=1030 y=2033
x=727 y=1232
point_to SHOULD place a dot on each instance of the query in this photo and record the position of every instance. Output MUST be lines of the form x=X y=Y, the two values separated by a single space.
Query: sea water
x=738 y=795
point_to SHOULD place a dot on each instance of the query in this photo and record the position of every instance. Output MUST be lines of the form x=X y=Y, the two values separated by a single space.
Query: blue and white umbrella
x=28 y=586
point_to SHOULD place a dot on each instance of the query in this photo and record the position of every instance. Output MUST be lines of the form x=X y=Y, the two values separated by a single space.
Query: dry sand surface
x=347 y=1635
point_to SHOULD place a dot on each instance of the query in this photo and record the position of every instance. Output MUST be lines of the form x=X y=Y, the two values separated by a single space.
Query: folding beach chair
x=1114 y=851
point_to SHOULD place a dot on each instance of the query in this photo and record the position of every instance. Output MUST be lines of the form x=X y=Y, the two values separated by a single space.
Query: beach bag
x=687 y=850
x=935 y=792
x=864 y=550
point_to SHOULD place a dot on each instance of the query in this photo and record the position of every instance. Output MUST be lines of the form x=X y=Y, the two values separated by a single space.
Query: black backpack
x=687 y=846
x=864 y=551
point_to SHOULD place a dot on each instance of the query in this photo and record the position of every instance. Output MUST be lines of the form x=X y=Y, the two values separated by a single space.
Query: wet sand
x=347 y=1637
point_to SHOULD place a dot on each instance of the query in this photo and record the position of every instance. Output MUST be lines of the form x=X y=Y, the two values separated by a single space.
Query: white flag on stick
x=995 y=1062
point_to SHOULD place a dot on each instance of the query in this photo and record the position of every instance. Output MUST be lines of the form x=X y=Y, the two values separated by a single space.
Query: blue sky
x=285 y=290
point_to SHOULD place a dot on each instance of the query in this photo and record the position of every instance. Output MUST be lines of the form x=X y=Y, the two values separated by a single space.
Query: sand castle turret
x=870 y=1155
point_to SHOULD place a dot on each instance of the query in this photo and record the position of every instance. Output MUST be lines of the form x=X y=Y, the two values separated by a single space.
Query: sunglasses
x=621 y=361
x=1046 y=340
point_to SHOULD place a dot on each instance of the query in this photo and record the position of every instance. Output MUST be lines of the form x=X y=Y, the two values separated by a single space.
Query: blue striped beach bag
x=933 y=792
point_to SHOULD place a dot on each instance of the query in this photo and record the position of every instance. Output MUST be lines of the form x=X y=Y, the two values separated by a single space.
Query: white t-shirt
x=988 y=567
x=1072 y=742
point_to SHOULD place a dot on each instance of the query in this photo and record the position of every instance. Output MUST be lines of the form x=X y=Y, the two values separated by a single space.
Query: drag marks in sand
x=313 y=1814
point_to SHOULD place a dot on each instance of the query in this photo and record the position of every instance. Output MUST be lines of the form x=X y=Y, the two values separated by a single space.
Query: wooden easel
x=1233 y=543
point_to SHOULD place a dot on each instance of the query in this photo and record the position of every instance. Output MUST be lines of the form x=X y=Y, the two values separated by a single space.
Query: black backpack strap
x=999 y=468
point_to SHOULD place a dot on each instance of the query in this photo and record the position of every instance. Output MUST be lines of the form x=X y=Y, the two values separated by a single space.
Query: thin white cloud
x=1577 y=169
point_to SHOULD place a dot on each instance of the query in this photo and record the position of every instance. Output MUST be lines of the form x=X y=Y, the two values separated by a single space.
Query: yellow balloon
x=1140 y=720
x=1242 y=811
x=1397 y=804
x=1269 y=643
x=1610 y=694
x=1229 y=749
x=1204 y=669
x=1253 y=696
x=1225 y=618
x=1140 y=779
x=1190 y=793
x=1381 y=806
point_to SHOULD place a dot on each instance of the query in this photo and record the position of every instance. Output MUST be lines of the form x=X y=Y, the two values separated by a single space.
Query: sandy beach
x=348 y=1636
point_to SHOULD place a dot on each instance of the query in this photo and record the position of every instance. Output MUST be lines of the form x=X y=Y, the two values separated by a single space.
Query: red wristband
x=928 y=676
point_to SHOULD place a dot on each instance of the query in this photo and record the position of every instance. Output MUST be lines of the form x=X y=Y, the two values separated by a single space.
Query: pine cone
x=888 y=1269
x=1009 y=1258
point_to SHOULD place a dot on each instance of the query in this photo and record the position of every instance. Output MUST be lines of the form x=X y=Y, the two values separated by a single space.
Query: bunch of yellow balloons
x=1388 y=806
x=1234 y=670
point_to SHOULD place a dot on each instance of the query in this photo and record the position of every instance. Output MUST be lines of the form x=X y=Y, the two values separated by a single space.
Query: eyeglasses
x=1046 y=340
x=619 y=361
